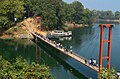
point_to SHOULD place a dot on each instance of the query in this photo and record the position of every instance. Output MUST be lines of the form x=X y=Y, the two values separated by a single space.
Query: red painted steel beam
x=101 y=46
x=106 y=41
x=106 y=57
x=109 y=41
x=109 y=47
x=107 y=25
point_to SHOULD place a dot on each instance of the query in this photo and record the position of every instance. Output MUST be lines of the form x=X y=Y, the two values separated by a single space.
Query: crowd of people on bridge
x=92 y=61
x=57 y=45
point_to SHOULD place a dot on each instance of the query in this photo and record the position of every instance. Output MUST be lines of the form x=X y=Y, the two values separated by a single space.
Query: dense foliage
x=117 y=15
x=106 y=15
x=20 y=69
x=108 y=74
x=54 y=13
x=10 y=9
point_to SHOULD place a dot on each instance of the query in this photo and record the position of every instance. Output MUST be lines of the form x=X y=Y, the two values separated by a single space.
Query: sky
x=113 y=5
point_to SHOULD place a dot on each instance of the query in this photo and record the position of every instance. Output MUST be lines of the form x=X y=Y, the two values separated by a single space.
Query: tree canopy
x=108 y=74
x=106 y=15
x=54 y=13
x=117 y=15
x=10 y=9
x=20 y=69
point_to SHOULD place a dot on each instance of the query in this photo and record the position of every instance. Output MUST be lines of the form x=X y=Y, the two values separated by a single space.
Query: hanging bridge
x=66 y=51
x=77 y=57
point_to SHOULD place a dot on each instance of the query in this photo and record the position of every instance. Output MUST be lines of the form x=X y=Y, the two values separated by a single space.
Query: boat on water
x=59 y=33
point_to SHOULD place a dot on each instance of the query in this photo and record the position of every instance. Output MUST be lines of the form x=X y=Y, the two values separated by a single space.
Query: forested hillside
x=54 y=13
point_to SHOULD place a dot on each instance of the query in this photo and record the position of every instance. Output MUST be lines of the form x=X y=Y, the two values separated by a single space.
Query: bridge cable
x=90 y=43
x=95 y=45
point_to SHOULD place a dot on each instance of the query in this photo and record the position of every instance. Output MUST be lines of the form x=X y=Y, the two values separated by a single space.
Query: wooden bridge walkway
x=68 y=53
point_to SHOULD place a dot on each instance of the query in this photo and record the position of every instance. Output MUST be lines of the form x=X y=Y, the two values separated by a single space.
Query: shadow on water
x=10 y=49
x=59 y=57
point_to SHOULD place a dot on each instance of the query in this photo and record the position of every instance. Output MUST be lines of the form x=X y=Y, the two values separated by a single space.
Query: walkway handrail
x=72 y=55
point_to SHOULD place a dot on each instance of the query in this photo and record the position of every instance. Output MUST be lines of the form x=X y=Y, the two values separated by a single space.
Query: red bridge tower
x=102 y=41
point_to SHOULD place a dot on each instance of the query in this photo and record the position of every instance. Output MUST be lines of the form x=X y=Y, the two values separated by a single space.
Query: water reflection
x=65 y=38
x=85 y=42
x=61 y=38
x=81 y=44
x=67 y=67
x=10 y=49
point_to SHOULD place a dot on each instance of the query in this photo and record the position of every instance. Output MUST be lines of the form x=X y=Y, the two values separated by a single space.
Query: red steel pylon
x=102 y=41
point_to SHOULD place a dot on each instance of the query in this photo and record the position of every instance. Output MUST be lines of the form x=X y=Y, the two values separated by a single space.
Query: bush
x=108 y=74
x=20 y=69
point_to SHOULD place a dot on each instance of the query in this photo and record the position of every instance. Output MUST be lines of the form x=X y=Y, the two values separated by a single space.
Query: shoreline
x=21 y=30
x=73 y=25
x=29 y=36
x=107 y=20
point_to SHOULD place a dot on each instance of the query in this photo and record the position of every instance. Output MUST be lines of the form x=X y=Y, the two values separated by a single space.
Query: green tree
x=10 y=9
x=95 y=14
x=28 y=8
x=54 y=13
x=103 y=14
x=68 y=11
x=108 y=74
x=117 y=15
x=20 y=69
x=79 y=11
x=51 y=11
x=88 y=17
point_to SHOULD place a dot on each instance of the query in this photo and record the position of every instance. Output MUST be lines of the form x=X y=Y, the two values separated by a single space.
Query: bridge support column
x=102 y=41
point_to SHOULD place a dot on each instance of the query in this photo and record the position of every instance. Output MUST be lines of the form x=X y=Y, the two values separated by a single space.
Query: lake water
x=84 y=42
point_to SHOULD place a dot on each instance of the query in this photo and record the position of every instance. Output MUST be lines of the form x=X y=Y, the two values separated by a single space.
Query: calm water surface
x=84 y=42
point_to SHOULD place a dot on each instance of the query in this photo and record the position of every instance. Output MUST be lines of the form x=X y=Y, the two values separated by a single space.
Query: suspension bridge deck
x=73 y=55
